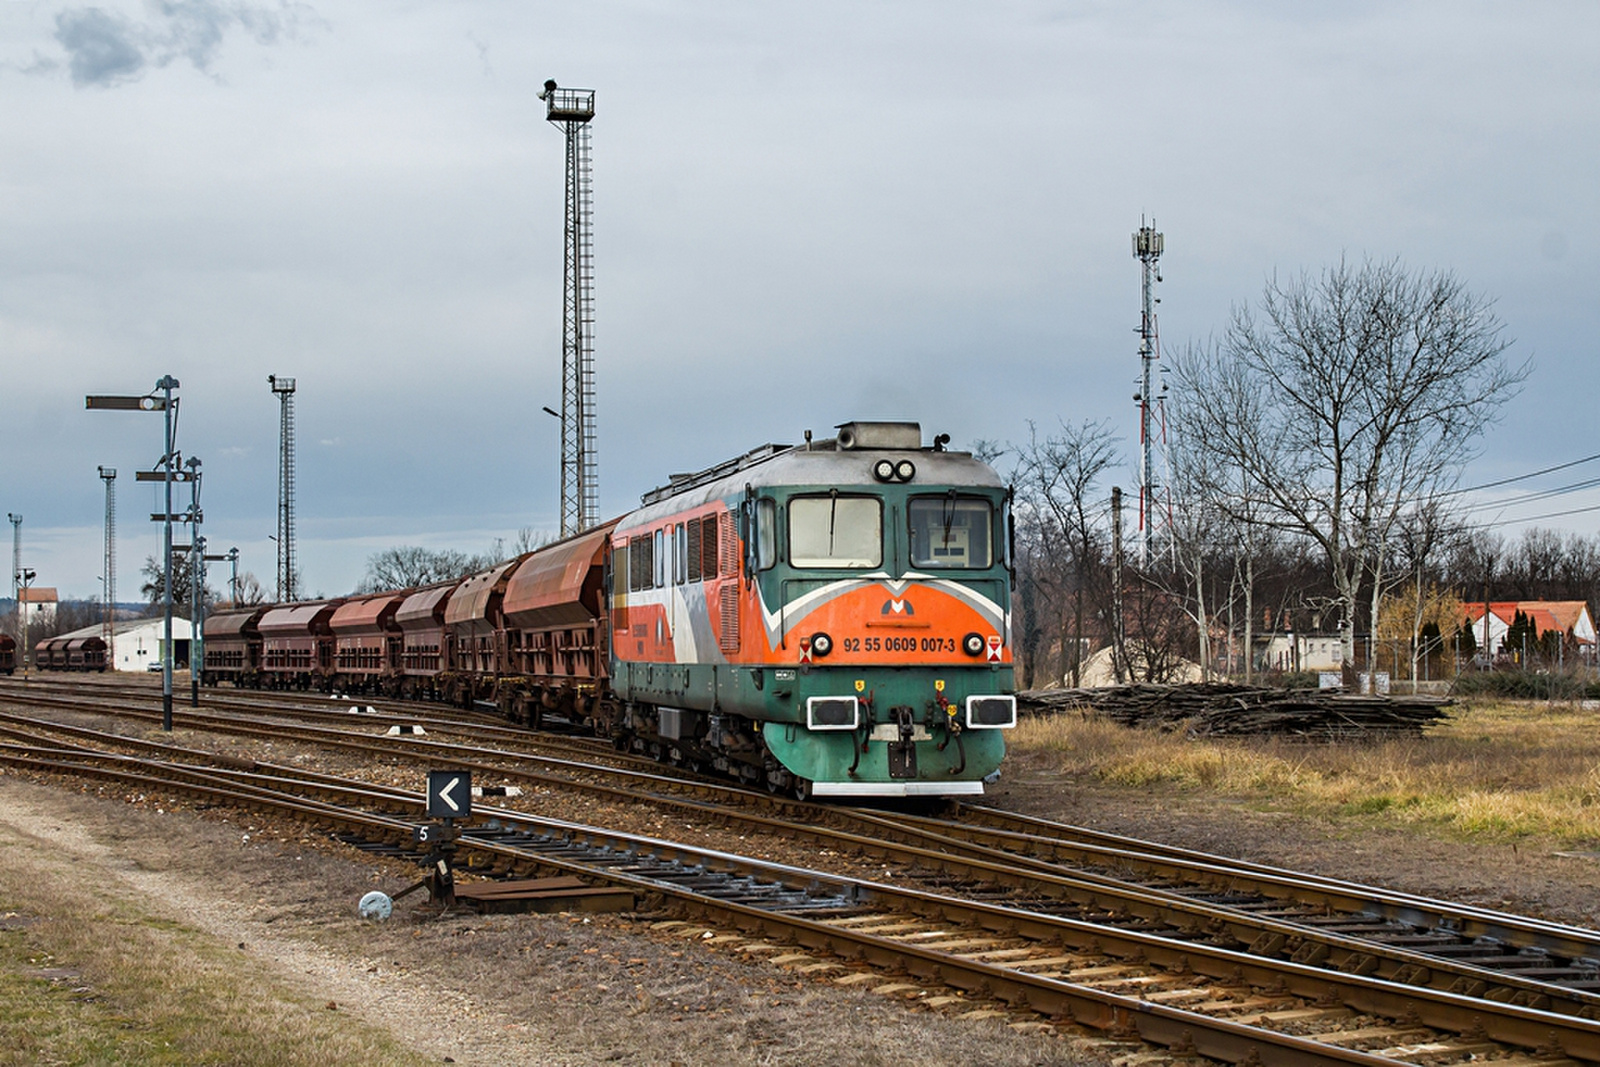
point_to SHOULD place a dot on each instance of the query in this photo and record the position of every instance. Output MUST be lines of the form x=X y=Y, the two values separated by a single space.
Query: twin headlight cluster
x=821 y=644
x=888 y=470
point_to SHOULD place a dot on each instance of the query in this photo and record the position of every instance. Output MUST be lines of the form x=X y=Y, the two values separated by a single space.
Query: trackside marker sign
x=449 y=794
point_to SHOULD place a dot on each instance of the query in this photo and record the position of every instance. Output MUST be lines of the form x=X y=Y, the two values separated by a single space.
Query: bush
x=1293 y=679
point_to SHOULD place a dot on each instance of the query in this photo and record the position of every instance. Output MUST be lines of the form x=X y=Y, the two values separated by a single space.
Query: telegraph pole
x=16 y=555
x=197 y=551
x=109 y=476
x=1118 y=640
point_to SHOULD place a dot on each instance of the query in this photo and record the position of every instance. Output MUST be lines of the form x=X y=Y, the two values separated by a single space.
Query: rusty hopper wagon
x=366 y=644
x=233 y=646
x=297 y=645
x=422 y=640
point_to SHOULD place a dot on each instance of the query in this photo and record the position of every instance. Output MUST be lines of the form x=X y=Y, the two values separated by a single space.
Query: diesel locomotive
x=828 y=619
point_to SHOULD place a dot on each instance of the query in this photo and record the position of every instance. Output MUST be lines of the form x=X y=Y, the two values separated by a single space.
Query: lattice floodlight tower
x=1147 y=248
x=284 y=388
x=571 y=110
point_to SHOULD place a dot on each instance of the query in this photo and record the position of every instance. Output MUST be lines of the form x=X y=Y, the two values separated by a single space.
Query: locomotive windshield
x=950 y=531
x=836 y=531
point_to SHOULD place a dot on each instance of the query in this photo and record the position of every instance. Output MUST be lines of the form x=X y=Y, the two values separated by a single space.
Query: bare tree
x=152 y=587
x=250 y=592
x=1060 y=512
x=407 y=566
x=1347 y=399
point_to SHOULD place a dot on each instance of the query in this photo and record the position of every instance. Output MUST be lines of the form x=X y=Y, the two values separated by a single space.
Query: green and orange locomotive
x=828 y=619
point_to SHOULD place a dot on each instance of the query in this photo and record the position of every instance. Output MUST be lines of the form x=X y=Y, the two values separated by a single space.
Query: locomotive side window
x=951 y=531
x=680 y=565
x=660 y=572
x=836 y=531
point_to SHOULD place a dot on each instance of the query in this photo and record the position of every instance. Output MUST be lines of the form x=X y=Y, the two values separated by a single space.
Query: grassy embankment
x=90 y=974
x=1497 y=770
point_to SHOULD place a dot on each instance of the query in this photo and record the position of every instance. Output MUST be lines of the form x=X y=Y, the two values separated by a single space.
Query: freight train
x=827 y=619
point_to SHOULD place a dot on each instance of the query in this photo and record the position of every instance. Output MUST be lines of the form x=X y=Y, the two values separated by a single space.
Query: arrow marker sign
x=449 y=794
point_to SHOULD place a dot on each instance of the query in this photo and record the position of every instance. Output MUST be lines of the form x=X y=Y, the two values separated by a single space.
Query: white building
x=1299 y=652
x=37 y=604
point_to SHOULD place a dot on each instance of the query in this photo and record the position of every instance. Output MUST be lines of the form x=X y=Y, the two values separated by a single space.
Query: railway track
x=1023 y=866
x=1109 y=875
x=1215 y=1003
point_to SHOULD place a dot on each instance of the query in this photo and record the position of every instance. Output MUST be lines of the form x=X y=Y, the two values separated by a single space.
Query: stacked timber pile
x=1218 y=709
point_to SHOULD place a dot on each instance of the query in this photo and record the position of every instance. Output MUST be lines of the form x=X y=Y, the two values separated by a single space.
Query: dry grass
x=1496 y=770
x=89 y=977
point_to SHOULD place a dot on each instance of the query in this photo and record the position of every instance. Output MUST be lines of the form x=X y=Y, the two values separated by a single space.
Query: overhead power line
x=1538 y=518
x=1521 y=477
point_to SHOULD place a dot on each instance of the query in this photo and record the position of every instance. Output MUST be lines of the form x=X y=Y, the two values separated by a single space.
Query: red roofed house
x=1570 y=617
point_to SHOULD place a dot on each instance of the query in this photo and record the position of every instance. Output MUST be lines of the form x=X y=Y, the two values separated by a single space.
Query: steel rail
x=434 y=715
x=1084 y=846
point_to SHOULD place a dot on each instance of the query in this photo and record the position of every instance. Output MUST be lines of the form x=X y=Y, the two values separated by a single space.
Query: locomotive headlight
x=972 y=644
x=883 y=470
x=905 y=470
x=821 y=644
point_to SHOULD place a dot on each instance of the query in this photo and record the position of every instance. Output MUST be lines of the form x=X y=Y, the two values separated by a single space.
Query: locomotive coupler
x=904 y=718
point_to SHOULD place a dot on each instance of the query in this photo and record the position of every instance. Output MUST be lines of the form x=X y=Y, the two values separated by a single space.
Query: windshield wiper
x=833 y=507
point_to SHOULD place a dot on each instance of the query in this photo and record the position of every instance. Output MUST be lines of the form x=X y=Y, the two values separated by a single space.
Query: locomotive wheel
x=802 y=789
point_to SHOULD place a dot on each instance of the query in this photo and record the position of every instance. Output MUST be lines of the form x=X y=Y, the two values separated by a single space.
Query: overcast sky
x=804 y=213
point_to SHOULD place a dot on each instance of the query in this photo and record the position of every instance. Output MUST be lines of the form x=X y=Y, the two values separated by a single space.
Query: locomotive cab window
x=765 y=533
x=836 y=531
x=951 y=531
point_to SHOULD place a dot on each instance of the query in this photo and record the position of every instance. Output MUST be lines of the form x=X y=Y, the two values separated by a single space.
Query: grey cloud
x=104 y=48
x=107 y=49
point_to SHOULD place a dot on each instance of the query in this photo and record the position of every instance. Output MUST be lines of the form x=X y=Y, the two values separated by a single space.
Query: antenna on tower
x=1148 y=245
x=571 y=110
x=284 y=388
x=109 y=629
